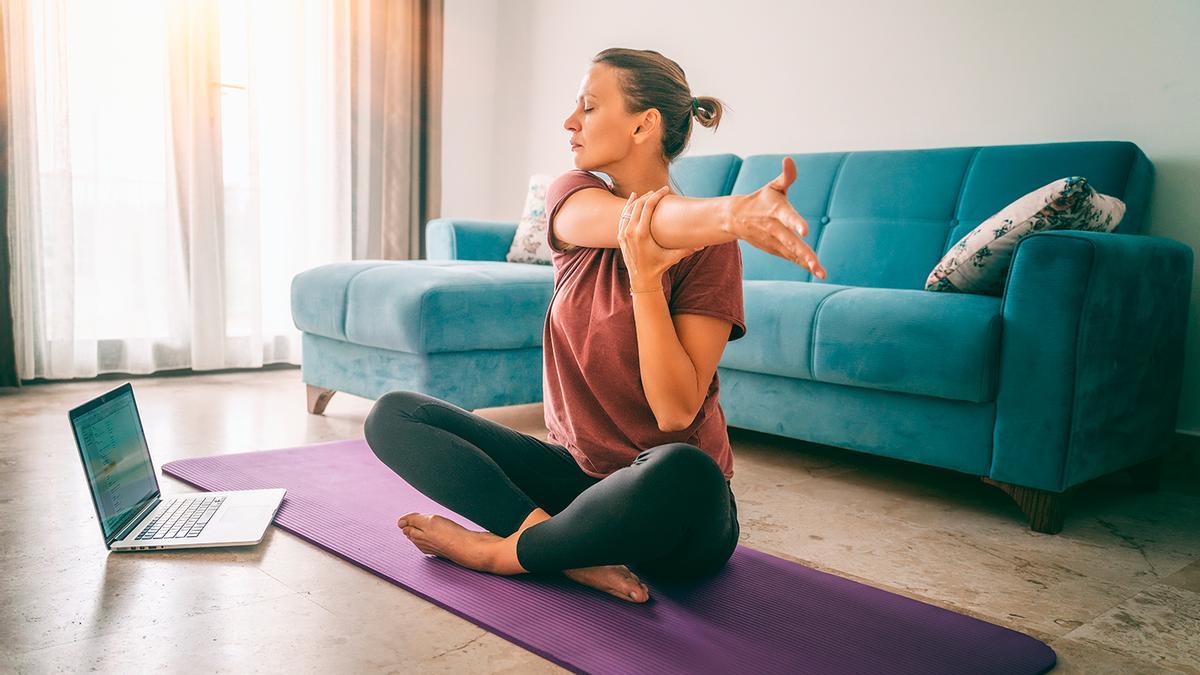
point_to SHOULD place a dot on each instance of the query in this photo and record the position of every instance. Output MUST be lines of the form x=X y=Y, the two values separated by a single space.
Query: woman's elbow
x=674 y=422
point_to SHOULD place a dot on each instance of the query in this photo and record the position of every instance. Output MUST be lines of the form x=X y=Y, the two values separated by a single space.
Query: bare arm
x=764 y=219
x=589 y=218
x=677 y=355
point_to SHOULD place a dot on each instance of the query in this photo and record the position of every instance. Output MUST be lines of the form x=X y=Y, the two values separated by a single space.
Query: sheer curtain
x=174 y=165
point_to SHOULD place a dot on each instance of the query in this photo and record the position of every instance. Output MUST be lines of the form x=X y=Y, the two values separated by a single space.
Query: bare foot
x=445 y=538
x=613 y=579
x=440 y=536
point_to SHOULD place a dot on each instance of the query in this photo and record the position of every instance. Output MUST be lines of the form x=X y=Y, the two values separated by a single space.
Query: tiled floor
x=1117 y=591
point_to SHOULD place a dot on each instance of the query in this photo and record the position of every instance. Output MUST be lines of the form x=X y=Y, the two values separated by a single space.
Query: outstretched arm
x=589 y=218
x=764 y=218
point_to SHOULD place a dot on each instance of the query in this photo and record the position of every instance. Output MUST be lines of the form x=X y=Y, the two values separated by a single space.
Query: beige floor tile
x=289 y=634
x=1187 y=578
x=1078 y=658
x=1160 y=625
x=64 y=595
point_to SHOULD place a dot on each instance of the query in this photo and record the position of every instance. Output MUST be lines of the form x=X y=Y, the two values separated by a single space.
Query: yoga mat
x=760 y=614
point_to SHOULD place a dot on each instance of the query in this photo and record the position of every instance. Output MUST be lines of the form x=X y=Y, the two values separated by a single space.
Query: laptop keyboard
x=182 y=519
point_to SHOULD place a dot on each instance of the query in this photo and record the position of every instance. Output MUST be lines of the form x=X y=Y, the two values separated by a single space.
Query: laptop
x=133 y=514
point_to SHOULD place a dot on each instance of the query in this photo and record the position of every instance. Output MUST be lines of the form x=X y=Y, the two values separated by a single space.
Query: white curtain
x=174 y=165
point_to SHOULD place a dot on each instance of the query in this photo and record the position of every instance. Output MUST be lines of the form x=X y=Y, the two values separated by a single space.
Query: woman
x=647 y=292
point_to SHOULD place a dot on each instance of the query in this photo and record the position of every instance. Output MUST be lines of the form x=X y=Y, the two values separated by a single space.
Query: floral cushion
x=529 y=245
x=978 y=263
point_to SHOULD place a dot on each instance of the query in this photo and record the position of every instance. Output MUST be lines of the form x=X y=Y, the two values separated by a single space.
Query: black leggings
x=670 y=514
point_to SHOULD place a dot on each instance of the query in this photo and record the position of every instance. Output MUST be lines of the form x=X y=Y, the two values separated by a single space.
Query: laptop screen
x=116 y=460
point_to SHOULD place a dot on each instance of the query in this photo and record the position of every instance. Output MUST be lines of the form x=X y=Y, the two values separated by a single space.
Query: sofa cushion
x=779 y=316
x=900 y=340
x=425 y=306
x=978 y=263
x=909 y=341
x=529 y=244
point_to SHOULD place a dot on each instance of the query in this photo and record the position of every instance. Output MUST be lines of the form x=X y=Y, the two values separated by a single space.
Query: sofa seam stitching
x=346 y=302
x=1080 y=330
x=982 y=373
x=962 y=188
x=812 y=340
x=731 y=176
x=962 y=185
x=828 y=201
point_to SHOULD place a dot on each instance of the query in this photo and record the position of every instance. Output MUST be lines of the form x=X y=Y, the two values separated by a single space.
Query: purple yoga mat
x=760 y=614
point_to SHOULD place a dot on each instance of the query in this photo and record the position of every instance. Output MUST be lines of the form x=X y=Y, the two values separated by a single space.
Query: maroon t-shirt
x=595 y=405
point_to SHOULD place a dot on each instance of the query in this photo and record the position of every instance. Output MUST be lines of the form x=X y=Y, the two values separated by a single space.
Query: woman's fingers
x=626 y=215
x=636 y=212
x=647 y=212
x=641 y=211
x=798 y=223
x=772 y=236
x=786 y=176
x=801 y=253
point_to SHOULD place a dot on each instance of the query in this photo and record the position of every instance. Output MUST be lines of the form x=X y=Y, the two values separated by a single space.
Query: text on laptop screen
x=116 y=459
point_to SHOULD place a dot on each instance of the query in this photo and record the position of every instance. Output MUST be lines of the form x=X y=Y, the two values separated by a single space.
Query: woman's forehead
x=598 y=82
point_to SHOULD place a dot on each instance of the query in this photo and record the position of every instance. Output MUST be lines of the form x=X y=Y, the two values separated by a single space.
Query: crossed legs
x=670 y=512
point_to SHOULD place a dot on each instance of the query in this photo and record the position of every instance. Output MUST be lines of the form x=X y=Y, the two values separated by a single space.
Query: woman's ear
x=651 y=120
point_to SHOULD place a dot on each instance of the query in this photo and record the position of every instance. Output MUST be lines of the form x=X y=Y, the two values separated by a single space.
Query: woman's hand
x=766 y=219
x=644 y=258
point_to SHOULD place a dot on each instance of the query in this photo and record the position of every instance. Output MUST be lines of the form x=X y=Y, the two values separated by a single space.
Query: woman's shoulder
x=569 y=180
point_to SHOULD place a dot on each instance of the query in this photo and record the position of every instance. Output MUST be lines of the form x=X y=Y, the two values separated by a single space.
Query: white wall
x=811 y=76
x=468 y=102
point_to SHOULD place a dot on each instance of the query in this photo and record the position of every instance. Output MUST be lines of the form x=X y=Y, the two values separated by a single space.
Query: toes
x=413 y=519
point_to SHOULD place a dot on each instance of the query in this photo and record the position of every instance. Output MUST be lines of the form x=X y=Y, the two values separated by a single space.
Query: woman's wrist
x=634 y=290
x=732 y=214
x=645 y=285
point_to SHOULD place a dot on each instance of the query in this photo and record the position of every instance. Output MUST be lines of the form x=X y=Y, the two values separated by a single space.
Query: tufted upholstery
x=885 y=218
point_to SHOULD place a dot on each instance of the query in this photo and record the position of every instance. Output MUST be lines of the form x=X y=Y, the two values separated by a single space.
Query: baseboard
x=178 y=372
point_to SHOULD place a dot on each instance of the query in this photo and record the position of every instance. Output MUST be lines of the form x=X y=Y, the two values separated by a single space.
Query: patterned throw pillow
x=529 y=245
x=978 y=263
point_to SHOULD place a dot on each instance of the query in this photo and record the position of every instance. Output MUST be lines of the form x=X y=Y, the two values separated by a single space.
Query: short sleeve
x=562 y=187
x=709 y=282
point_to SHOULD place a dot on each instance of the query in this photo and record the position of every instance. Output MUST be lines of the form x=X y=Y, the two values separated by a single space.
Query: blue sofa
x=1074 y=372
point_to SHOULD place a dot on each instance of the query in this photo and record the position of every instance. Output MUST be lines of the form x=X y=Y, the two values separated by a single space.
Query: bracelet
x=655 y=290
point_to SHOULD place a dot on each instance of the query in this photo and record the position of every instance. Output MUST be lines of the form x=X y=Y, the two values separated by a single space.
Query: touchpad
x=243 y=515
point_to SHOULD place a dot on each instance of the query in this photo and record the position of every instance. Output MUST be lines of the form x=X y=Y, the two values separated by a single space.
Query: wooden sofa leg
x=1145 y=476
x=1044 y=509
x=318 y=398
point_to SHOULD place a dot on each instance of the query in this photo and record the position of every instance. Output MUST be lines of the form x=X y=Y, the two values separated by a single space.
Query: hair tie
x=695 y=103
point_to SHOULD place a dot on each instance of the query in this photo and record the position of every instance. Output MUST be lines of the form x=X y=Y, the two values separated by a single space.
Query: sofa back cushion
x=884 y=218
x=705 y=175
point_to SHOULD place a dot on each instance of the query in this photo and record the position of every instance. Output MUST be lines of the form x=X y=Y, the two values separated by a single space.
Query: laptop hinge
x=133 y=522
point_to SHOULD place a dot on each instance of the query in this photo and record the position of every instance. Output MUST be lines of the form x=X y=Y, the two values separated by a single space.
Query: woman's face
x=602 y=132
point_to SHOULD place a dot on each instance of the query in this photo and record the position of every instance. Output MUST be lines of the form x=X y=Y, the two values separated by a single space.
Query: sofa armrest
x=1091 y=355
x=451 y=239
